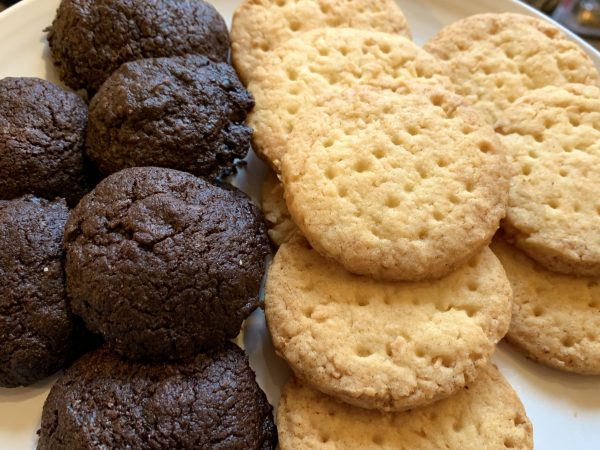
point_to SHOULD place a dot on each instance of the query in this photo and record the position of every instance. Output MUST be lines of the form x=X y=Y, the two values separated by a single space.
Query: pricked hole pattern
x=324 y=438
x=538 y=311
x=363 y=352
x=377 y=439
x=392 y=201
x=327 y=143
x=485 y=147
x=442 y=163
x=409 y=187
x=423 y=234
x=420 y=353
x=422 y=173
x=292 y=109
x=323 y=51
x=308 y=312
x=295 y=26
x=469 y=186
x=553 y=204
x=363 y=302
x=379 y=153
x=568 y=341
x=509 y=443
x=472 y=286
x=330 y=173
x=291 y=74
x=342 y=191
x=473 y=262
x=563 y=172
x=437 y=215
x=533 y=154
x=437 y=100
x=362 y=165
x=385 y=47
x=453 y=199
x=526 y=170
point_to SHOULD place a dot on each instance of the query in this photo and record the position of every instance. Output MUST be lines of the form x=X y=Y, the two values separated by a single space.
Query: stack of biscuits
x=393 y=169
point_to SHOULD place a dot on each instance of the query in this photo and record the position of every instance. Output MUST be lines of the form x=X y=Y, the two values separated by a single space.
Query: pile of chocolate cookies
x=161 y=260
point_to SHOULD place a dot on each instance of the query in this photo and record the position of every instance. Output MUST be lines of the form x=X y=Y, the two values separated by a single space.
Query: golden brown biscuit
x=396 y=186
x=486 y=415
x=304 y=69
x=493 y=59
x=260 y=26
x=384 y=345
x=556 y=318
x=552 y=138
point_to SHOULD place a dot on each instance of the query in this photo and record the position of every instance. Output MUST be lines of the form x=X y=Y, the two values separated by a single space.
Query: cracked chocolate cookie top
x=35 y=325
x=164 y=264
x=208 y=401
x=185 y=113
x=90 y=39
x=42 y=132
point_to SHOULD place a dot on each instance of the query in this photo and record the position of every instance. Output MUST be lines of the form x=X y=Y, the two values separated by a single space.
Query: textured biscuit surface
x=556 y=318
x=260 y=26
x=208 y=401
x=384 y=345
x=328 y=60
x=36 y=326
x=486 y=415
x=164 y=264
x=42 y=132
x=552 y=137
x=184 y=112
x=281 y=226
x=396 y=186
x=89 y=40
x=493 y=59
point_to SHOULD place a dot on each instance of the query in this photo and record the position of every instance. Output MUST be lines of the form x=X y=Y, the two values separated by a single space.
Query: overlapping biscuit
x=384 y=345
x=281 y=226
x=494 y=59
x=305 y=68
x=552 y=137
x=260 y=26
x=556 y=318
x=485 y=415
x=396 y=186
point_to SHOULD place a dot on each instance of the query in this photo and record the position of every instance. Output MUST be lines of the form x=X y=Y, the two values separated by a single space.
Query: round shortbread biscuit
x=552 y=138
x=396 y=186
x=493 y=59
x=486 y=415
x=260 y=26
x=323 y=61
x=390 y=346
x=556 y=318
x=279 y=222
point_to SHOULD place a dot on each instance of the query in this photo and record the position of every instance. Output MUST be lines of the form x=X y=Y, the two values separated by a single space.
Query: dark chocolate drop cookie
x=186 y=113
x=90 y=39
x=36 y=328
x=42 y=133
x=210 y=401
x=164 y=264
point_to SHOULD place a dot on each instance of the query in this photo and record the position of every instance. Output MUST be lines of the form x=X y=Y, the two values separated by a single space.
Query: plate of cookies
x=297 y=224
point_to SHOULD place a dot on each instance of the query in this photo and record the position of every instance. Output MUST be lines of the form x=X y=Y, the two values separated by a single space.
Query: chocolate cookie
x=42 y=132
x=185 y=113
x=164 y=264
x=208 y=401
x=35 y=325
x=90 y=39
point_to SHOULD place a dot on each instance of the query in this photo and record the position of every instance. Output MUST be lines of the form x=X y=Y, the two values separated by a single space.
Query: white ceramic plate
x=564 y=409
